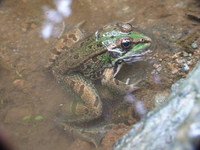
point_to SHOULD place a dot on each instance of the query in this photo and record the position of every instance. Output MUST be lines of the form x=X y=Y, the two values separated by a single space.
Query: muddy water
x=28 y=90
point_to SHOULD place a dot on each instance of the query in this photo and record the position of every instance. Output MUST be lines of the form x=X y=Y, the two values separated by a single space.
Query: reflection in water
x=139 y=106
x=55 y=16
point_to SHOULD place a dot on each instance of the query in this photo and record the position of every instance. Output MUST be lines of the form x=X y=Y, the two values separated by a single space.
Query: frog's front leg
x=114 y=84
x=88 y=105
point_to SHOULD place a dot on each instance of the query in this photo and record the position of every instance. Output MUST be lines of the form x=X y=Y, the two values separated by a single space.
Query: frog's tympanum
x=81 y=61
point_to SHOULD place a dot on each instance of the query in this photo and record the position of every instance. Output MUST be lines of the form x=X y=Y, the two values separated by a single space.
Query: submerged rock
x=175 y=125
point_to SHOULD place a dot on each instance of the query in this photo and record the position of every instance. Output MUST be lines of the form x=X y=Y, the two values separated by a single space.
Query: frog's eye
x=126 y=43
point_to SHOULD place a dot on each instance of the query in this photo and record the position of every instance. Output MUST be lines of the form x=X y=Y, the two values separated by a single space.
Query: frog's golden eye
x=126 y=43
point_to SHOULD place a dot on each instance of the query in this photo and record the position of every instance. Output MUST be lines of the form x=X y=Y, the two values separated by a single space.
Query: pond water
x=31 y=100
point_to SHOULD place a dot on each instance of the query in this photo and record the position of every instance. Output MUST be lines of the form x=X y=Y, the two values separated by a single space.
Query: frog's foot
x=110 y=81
x=130 y=21
x=81 y=23
x=93 y=135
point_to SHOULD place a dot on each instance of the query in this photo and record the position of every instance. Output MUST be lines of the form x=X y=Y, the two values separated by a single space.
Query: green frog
x=78 y=62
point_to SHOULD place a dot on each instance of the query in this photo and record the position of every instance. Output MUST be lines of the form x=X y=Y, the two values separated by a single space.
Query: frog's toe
x=132 y=88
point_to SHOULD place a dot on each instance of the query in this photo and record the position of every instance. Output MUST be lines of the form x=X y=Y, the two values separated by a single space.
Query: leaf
x=26 y=117
x=1 y=102
x=39 y=118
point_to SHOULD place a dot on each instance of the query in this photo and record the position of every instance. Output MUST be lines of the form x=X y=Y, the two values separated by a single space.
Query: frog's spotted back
x=64 y=43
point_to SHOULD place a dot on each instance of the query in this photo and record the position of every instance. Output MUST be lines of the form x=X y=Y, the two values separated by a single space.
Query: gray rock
x=175 y=125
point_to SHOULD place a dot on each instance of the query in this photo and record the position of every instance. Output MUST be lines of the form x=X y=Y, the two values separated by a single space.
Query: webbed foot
x=93 y=135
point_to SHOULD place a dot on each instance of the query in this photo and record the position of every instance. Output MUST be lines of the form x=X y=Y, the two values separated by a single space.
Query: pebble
x=158 y=67
x=185 y=54
x=19 y=83
x=194 y=45
x=33 y=25
x=173 y=68
x=185 y=67
x=161 y=98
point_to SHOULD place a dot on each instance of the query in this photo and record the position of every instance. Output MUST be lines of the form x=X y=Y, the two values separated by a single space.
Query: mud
x=28 y=90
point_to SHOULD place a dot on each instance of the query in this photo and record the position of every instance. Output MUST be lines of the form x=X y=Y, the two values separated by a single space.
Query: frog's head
x=123 y=42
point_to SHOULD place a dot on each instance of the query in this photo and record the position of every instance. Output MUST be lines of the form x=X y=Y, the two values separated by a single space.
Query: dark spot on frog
x=65 y=48
x=83 y=67
x=96 y=102
x=99 y=44
x=76 y=56
x=71 y=50
x=81 y=90
x=90 y=46
x=86 y=111
x=82 y=44
x=55 y=51
x=112 y=37
x=94 y=59
x=65 y=38
x=72 y=84
x=72 y=36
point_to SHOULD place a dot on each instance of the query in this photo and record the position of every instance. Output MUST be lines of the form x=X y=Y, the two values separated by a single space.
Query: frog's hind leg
x=87 y=105
x=85 y=108
x=93 y=135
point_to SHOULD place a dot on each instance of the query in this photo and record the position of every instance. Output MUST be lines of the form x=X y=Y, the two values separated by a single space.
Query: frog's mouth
x=132 y=57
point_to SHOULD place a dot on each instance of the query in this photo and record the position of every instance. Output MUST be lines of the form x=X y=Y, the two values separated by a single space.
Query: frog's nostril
x=142 y=40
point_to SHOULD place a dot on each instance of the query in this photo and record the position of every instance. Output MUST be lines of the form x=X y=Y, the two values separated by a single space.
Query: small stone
x=155 y=66
x=159 y=68
x=173 y=68
x=185 y=54
x=194 y=45
x=33 y=25
x=185 y=67
x=19 y=83
x=24 y=30
x=161 y=98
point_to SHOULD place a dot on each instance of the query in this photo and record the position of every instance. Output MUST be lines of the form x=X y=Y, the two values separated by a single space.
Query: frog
x=79 y=61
